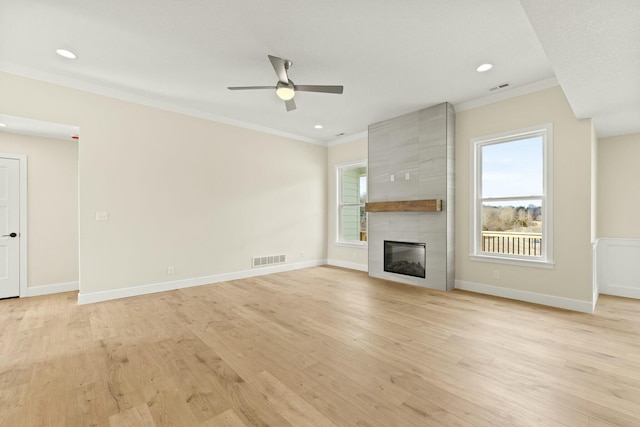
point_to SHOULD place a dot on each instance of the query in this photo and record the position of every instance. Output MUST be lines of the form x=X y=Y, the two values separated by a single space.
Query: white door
x=9 y=228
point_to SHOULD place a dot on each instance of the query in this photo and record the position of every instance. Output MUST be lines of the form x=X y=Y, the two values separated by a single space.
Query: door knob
x=10 y=235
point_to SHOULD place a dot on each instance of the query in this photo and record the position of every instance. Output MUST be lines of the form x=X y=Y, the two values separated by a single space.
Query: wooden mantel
x=431 y=205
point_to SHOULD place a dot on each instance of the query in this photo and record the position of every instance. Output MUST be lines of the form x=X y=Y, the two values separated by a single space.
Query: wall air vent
x=502 y=86
x=263 y=261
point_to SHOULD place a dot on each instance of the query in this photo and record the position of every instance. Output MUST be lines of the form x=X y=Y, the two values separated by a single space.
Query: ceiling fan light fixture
x=285 y=92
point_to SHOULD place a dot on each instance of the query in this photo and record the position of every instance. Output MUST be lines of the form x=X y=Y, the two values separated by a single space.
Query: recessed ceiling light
x=484 y=67
x=3 y=125
x=66 y=53
x=318 y=126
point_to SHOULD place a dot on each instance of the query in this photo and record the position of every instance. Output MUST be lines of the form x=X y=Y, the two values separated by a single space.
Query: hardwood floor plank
x=138 y=416
x=595 y=422
x=86 y=413
x=291 y=406
x=351 y=367
x=385 y=413
x=332 y=405
x=253 y=409
x=433 y=414
x=236 y=353
x=101 y=324
x=12 y=402
x=169 y=407
x=228 y=418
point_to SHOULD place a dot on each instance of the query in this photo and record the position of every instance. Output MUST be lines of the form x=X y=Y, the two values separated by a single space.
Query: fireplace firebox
x=406 y=258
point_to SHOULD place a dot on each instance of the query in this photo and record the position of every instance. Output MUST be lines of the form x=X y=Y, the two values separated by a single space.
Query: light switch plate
x=102 y=216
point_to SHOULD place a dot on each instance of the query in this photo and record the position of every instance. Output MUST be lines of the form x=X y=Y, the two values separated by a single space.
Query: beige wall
x=571 y=276
x=201 y=196
x=52 y=217
x=618 y=180
x=351 y=256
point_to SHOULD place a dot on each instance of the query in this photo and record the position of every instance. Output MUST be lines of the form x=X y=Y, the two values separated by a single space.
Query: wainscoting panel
x=618 y=267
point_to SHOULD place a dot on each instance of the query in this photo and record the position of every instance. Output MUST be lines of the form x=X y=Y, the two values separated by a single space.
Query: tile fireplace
x=411 y=161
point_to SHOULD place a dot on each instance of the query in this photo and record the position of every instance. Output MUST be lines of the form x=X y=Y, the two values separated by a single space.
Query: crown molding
x=146 y=101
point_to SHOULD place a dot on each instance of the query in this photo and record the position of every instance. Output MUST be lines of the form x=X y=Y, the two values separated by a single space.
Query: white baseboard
x=34 y=291
x=550 y=300
x=88 y=298
x=349 y=265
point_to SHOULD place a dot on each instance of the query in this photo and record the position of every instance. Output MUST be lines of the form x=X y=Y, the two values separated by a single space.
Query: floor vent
x=261 y=261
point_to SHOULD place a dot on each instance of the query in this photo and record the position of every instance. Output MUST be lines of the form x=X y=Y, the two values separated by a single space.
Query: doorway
x=52 y=211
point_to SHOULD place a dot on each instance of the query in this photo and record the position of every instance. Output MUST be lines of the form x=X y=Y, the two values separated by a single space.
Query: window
x=512 y=197
x=352 y=195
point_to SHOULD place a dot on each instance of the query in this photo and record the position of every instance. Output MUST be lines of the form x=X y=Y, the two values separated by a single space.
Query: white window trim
x=476 y=254
x=338 y=175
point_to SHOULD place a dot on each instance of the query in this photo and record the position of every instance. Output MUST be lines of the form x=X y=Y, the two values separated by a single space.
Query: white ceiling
x=392 y=57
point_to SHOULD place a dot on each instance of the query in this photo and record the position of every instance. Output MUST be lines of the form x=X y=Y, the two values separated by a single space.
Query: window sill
x=513 y=261
x=363 y=245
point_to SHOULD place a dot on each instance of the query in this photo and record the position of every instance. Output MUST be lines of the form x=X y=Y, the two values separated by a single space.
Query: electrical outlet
x=170 y=270
x=496 y=274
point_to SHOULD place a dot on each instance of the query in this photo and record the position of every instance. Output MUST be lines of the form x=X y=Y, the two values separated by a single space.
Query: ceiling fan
x=285 y=88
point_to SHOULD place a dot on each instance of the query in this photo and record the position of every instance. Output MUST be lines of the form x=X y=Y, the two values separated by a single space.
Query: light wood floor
x=317 y=347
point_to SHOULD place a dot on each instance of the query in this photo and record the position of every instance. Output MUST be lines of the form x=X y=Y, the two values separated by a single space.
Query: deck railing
x=512 y=243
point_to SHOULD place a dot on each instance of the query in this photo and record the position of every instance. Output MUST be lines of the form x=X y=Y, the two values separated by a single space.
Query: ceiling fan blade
x=290 y=104
x=280 y=69
x=319 y=88
x=250 y=87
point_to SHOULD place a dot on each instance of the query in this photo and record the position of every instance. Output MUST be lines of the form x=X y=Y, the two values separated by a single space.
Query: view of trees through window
x=522 y=219
x=511 y=197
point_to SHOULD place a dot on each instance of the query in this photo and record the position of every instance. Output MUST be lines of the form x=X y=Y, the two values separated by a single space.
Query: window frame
x=339 y=168
x=546 y=260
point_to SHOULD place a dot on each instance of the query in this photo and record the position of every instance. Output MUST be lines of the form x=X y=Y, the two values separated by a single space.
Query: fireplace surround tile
x=420 y=144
